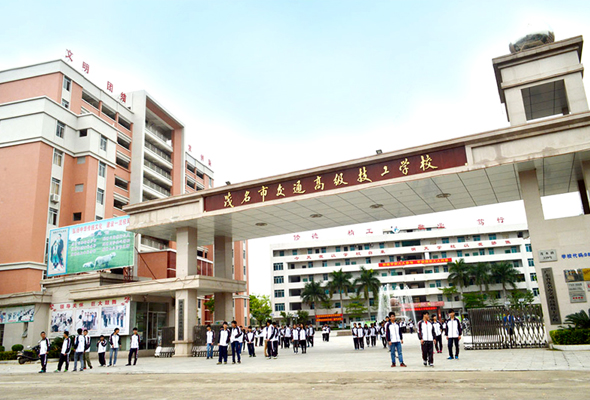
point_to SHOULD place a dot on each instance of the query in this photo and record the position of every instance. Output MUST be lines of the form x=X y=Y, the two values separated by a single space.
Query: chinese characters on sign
x=416 y=262
x=551 y=296
x=574 y=255
x=547 y=255
x=334 y=179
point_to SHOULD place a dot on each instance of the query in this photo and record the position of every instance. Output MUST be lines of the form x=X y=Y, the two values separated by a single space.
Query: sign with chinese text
x=577 y=292
x=551 y=296
x=416 y=262
x=97 y=245
x=339 y=178
x=14 y=315
x=328 y=317
x=100 y=317
x=547 y=255
x=431 y=305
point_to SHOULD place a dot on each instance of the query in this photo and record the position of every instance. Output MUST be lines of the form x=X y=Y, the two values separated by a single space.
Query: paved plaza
x=333 y=369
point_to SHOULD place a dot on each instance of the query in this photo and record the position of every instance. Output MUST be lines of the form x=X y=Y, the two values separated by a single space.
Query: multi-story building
x=71 y=153
x=410 y=263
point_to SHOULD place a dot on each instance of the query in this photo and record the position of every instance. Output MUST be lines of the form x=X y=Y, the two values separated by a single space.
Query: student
x=114 y=341
x=373 y=332
x=367 y=334
x=87 y=341
x=282 y=336
x=437 y=334
x=210 y=341
x=79 y=348
x=310 y=334
x=101 y=347
x=395 y=339
x=133 y=348
x=355 y=337
x=288 y=336
x=360 y=333
x=453 y=332
x=426 y=336
x=295 y=333
x=303 y=339
x=236 y=342
x=324 y=333
x=383 y=332
x=250 y=340
x=64 y=355
x=223 y=343
x=43 y=350
x=273 y=340
x=328 y=330
x=243 y=341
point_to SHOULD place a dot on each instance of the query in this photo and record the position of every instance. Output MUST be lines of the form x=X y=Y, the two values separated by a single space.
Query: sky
x=267 y=87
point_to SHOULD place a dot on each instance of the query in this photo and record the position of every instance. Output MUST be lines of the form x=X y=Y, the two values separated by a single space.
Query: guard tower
x=542 y=81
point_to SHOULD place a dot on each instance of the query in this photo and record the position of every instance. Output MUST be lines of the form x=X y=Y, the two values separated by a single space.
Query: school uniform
x=394 y=334
x=79 y=348
x=310 y=334
x=453 y=330
x=282 y=337
x=328 y=330
x=383 y=335
x=360 y=332
x=43 y=350
x=272 y=335
x=373 y=333
x=250 y=340
x=288 y=336
x=236 y=344
x=87 y=352
x=101 y=347
x=355 y=338
x=303 y=340
x=324 y=334
x=133 y=349
x=222 y=344
x=438 y=336
x=367 y=333
x=210 y=343
x=296 y=340
x=64 y=355
x=114 y=341
x=426 y=333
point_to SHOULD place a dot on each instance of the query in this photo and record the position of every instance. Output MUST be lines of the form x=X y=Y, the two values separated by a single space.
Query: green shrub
x=579 y=320
x=2 y=349
x=570 y=336
x=7 y=355
x=17 y=347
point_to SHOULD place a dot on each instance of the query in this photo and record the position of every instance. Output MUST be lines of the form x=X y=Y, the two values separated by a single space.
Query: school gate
x=502 y=328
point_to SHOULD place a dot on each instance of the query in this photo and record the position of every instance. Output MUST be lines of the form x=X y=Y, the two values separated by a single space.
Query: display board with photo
x=14 y=315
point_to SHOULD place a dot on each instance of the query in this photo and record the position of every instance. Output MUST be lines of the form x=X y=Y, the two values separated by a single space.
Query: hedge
x=2 y=348
x=570 y=336
x=7 y=355
x=17 y=347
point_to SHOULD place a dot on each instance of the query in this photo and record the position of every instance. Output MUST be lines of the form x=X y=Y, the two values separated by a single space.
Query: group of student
x=429 y=330
x=81 y=345
x=300 y=336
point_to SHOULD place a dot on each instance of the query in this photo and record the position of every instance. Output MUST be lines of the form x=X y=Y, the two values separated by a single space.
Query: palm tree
x=459 y=274
x=367 y=282
x=505 y=274
x=339 y=283
x=480 y=273
x=313 y=293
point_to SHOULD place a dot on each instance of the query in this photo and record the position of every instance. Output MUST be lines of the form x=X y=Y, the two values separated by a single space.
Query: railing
x=157 y=169
x=159 y=135
x=158 y=151
x=156 y=187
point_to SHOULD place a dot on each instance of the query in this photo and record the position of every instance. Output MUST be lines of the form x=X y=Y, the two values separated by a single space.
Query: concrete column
x=222 y=264
x=529 y=188
x=584 y=186
x=186 y=252
x=185 y=319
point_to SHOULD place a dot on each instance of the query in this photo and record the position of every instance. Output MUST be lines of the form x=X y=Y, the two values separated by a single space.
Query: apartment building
x=411 y=264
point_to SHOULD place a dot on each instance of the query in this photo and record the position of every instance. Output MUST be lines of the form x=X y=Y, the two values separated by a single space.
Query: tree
x=480 y=273
x=519 y=298
x=313 y=293
x=287 y=317
x=340 y=282
x=449 y=291
x=459 y=274
x=505 y=274
x=210 y=304
x=474 y=300
x=355 y=309
x=260 y=308
x=326 y=304
x=366 y=283
x=302 y=317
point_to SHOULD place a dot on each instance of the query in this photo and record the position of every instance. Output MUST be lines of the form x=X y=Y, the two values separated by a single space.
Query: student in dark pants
x=453 y=332
x=250 y=340
x=101 y=347
x=355 y=338
x=427 y=335
x=236 y=342
x=43 y=349
x=64 y=355
x=223 y=343
x=133 y=348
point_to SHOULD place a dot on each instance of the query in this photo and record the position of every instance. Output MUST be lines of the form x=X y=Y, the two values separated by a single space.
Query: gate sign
x=93 y=246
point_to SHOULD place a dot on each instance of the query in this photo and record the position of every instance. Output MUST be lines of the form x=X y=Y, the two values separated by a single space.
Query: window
x=439 y=297
x=57 y=157
x=482 y=252
x=103 y=143
x=52 y=216
x=445 y=240
x=345 y=248
x=281 y=253
x=371 y=302
x=324 y=263
x=536 y=291
x=445 y=269
x=280 y=293
x=102 y=169
x=278 y=266
x=309 y=251
x=97 y=218
x=280 y=307
x=476 y=238
x=65 y=103
x=347 y=261
x=492 y=236
x=67 y=83
x=79 y=188
x=367 y=247
x=83 y=132
x=77 y=216
x=491 y=252
x=514 y=249
x=310 y=264
x=368 y=260
x=337 y=264
x=279 y=280
x=100 y=196
x=460 y=239
x=438 y=283
x=443 y=254
x=531 y=262
x=337 y=249
x=323 y=249
x=381 y=245
x=384 y=274
x=459 y=253
x=534 y=277
x=55 y=186
x=337 y=305
x=436 y=270
x=60 y=129
x=121 y=183
x=294 y=252
x=528 y=248
x=325 y=277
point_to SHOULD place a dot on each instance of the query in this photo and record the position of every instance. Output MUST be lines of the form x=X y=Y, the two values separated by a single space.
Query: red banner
x=328 y=317
x=416 y=262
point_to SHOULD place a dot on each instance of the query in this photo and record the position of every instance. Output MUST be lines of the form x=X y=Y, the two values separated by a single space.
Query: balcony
x=154 y=190
x=157 y=156
x=158 y=174
x=160 y=140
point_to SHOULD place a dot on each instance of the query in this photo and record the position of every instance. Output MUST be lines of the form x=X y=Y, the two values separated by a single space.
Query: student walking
x=101 y=347
x=210 y=341
x=288 y=336
x=426 y=336
x=310 y=334
x=87 y=341
x=79 y=348
x=114 y=341
x=236 y=342
x=395 y=339
x=224 y=336
x=453 y=332
x=133 y=348
x=250 y=340
x=64 y=355
x=355 y=336
x=43 y=350
x=303 y=339
x=360 y=333
x=437 y=334
x=295 y=339
x=328 y=331
x=272 y=335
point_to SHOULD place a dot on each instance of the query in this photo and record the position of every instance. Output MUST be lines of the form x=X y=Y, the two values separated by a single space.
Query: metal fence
x=167 y=345
x=502 y=328
x=200 y=341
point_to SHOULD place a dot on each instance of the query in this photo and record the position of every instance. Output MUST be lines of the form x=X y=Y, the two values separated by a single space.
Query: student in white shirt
x=288 y=336
x=43 y=350
x=87 y=340
x=223 y=343
x=64 y=355
x=101 y=346
x=360 y=333
x=133 y=348
x=114 y=341
x=355 y=338
x=296 y=331
x=250 y=339
x=303 y=339
x=427 y=338
x=437 y=334
x=395 y=339
x=210 y=342
x=236 y=342
x=79 y=348
x=272 y=335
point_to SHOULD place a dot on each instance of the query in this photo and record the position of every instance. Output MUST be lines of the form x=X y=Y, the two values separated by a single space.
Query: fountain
x=388 y=301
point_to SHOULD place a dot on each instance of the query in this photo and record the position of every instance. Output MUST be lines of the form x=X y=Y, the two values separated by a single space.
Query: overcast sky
x=266 y=87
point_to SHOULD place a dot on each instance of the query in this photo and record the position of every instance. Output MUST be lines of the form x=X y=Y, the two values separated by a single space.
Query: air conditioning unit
x=54 y=198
